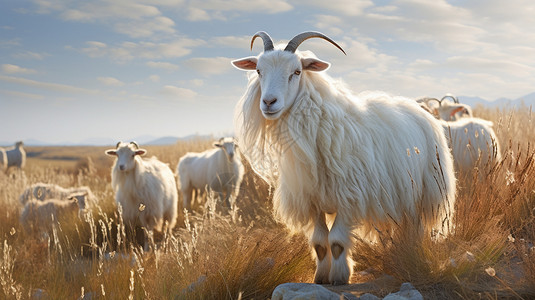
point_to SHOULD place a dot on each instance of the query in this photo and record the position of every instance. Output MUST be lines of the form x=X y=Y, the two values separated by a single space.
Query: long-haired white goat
x=43 y=191
x=144 y=188
x=15 y=156
x=446 y=110
x=219 y=169
x=371 y=160
x=473 y=142
x=39 y=215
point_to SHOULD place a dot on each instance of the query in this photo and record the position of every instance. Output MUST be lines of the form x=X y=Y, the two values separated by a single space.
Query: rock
x=369 y=296
x=39 y=294
x=406 y=292
x=303 y=291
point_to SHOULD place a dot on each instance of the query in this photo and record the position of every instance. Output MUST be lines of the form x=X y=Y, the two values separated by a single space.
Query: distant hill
x=166 y=140
x=527 y=100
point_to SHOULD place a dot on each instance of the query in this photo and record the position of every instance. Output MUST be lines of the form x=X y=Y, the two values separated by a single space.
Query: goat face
x=228 y=145
x=279 y=73
x=126 y=154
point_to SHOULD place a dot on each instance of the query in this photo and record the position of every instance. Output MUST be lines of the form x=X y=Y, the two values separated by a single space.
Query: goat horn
x=135 y=144
x=268 y=42
x=455 y=99
x=298 y=39
x=118 y=143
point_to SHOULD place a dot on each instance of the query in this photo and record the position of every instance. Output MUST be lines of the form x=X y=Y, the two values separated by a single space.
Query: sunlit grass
x=213 y=254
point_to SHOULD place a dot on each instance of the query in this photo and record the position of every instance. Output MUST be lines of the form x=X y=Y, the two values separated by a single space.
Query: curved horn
x=298 y=39
x=135 y=144
x=118 y=143
x=427 y=99
x=455 y=100
x=268 y=42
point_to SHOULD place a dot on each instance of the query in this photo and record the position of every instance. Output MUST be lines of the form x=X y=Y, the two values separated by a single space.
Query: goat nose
x=269 y=102
x=121 y=167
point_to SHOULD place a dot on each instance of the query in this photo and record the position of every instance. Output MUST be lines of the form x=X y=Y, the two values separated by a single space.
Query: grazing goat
x=15 y=156
x=370 y=160
x=39 y=215
x=43 y=191
x=144 y=188
x=473 y=142
x=446 y=110
x=219 y=169
x=3 y=159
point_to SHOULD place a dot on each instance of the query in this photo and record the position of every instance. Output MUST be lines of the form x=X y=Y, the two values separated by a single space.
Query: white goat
x=219 y=169
x=446 y=110
x=43 y=191
x=3 y=159
x=144 y=188
x=39 y=215
x=15 y=156
x=371 y=161
x=473 y=142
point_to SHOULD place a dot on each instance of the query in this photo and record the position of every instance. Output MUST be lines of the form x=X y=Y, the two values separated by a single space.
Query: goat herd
x=362 y=161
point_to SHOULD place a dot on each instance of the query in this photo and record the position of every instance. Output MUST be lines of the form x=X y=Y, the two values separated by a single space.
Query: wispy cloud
x=127 y=51
x=162 y=65
x=30 y=55
x=178 y=92
x=110 y=81
x=23 y=95
x=210 y=65
x=218 y=9
x=14 y=69
x=47 y=85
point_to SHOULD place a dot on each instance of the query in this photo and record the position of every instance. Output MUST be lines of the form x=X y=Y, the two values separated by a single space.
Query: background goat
x=219 y=169
x=144 y=188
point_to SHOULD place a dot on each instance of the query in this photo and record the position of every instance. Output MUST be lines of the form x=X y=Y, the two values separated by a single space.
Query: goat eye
x=297 y=72
x=258 y=71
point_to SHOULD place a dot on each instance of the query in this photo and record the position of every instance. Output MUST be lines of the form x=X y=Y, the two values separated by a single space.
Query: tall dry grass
x=245 y=254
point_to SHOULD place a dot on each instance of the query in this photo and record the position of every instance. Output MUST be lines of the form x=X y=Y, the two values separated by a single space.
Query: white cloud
x=22 y=95
x=154 y=78
x=240 y=42
x=93 y=10
x=178 y=92
x=343 y=7
x=162 y=65
x=133 y=18
x=210 y=65
x=146 y=50
x=30 y=55
x=216 y=9
x=197 y=14
x=14 y=69
x=473 y=64
x=110 y=81
x=146 y=28
x=57 y=87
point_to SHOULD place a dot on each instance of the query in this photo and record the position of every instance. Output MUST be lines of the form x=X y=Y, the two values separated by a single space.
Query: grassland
x=246 y=254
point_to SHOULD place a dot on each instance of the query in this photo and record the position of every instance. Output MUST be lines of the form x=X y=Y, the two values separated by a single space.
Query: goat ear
x=111 y=152
x=140 y=152
x=314 y=64
x=218 y=145
x=246 y=64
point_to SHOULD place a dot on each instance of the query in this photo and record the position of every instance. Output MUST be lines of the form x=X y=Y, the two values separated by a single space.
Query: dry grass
x=246 y=254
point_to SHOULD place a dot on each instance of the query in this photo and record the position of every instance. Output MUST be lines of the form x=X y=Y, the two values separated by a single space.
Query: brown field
x=245 y=253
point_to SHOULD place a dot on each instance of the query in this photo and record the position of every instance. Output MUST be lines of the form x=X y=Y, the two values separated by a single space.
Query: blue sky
x=118 y=69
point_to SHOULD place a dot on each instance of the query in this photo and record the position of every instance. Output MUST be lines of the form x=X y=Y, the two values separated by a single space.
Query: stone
x=406 y=292
x=369 y=296
x=303 y=291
